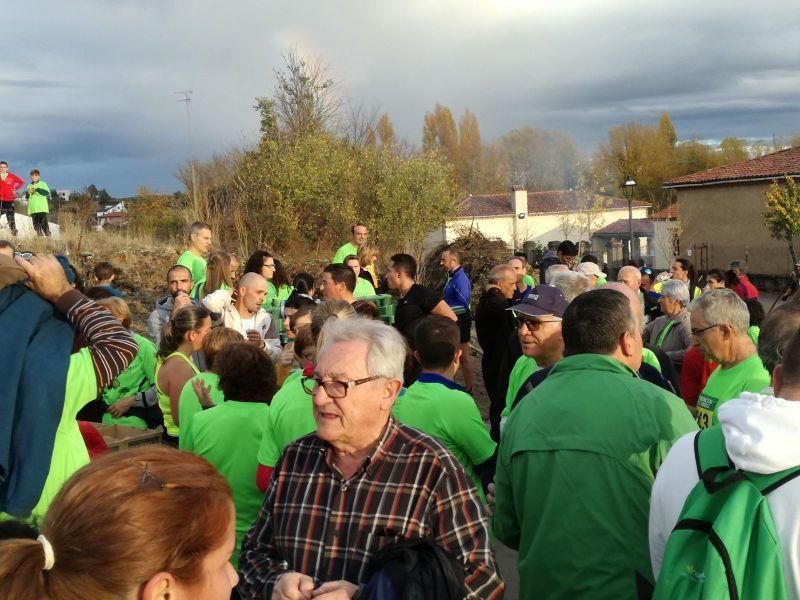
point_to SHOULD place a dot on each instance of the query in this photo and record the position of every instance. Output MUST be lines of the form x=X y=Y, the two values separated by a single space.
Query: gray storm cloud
x=90 y=97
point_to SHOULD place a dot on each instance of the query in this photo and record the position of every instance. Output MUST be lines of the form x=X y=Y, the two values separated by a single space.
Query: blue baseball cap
x=543 y=300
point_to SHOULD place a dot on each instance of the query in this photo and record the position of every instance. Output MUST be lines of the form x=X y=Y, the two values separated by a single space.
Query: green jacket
x=576 y=464
x=38 y=195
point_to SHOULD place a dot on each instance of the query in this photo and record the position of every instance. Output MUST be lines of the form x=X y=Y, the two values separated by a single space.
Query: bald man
x=246 y=315
x=630 y=276
x=494 y=325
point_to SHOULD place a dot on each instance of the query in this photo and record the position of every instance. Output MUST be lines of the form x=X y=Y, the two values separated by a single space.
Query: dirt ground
x=478 y=389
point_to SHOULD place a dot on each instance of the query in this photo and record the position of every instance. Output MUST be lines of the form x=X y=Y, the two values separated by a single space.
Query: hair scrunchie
x=49 y=555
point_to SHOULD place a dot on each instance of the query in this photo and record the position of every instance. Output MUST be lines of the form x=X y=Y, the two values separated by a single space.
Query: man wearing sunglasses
x=719 y=321
x=539 y=332
x=361 y=481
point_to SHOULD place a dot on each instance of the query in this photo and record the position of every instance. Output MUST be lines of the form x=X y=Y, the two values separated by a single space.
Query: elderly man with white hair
x=360 y=481
x=570 y=283
x=719 y=321
x=552 y=270
x=672 y=333
x=630 y=276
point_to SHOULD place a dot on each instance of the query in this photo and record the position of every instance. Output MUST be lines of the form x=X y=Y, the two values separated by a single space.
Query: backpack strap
x=716 y=470
x=772 y=481
x=714 y=467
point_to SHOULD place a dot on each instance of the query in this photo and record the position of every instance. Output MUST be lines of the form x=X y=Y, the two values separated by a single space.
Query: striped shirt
x=111 y=345
x=315 y=522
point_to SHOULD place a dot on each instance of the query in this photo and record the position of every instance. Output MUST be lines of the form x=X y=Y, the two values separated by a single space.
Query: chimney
x=519 y=201
x=519 y=206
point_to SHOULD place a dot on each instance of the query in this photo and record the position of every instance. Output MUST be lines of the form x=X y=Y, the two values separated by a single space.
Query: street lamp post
x=629 y=185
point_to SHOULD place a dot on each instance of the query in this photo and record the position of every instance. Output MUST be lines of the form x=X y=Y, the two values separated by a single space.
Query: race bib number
x=705 y=410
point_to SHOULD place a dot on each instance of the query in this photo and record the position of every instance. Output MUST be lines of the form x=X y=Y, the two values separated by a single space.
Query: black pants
x=7 y=209
x=40 y=224
x=491 y=371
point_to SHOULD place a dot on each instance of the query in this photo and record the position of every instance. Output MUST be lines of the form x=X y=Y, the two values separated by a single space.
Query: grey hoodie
x=160 y=317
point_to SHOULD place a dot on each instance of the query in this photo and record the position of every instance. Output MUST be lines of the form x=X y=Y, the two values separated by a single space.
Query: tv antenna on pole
x=187 y=98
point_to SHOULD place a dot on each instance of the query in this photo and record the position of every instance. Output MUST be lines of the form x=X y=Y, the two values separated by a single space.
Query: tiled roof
x=671 y=212
x=496 y=205
x=769 y=166
x=640 y=227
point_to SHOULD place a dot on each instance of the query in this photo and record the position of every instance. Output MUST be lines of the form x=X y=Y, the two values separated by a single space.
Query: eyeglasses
x=333 y=388
x=534 y=324
x=270 y=265
x=699 y=331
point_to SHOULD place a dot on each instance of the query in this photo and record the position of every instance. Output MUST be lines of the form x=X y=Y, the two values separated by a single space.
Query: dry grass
x=142 y=261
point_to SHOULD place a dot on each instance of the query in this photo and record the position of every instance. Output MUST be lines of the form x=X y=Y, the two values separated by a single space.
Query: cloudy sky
x=87 y=86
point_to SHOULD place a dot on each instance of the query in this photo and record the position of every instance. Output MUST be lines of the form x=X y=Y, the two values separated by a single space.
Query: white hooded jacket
x=220 y=306
x=762 y=435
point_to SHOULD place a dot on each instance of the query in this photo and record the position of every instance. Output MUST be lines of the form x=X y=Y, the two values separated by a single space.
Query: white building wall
x=542 y=228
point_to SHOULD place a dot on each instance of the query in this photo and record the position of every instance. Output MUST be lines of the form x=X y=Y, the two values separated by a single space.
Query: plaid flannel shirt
x=315 y=522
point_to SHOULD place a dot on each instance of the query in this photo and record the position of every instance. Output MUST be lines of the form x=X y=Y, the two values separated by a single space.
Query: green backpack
x=725 y=544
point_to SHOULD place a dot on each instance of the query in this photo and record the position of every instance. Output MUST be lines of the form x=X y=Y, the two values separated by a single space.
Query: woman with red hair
x=148 y=523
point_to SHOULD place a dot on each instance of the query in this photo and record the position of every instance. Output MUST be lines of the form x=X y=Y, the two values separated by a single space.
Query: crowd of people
x=311 y=447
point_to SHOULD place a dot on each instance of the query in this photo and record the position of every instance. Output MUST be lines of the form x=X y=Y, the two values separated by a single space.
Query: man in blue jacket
x=457 y=295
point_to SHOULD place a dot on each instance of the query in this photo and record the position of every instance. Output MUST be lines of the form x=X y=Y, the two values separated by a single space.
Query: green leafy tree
x=309 y=178
x=103 y=197
x=782 y=212
x=413 y=196
x=303 y=100
x=733 y=150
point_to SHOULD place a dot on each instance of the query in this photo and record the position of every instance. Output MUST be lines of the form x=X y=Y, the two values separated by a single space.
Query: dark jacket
x=493 y=324
x=651 y=308
x=35 y=359
x=548 y=260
